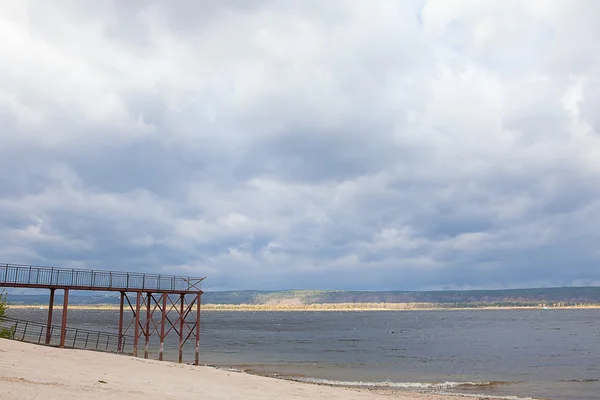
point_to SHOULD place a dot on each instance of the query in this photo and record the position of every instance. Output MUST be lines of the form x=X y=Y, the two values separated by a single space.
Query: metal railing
x=35 y=332
x=35 y=276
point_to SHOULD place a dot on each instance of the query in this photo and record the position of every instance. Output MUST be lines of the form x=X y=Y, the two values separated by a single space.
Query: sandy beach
x=30 y=372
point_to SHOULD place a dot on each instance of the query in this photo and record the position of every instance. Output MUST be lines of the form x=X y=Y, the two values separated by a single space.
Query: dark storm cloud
x=269 y=145
x=312 y=155
x=151 y=165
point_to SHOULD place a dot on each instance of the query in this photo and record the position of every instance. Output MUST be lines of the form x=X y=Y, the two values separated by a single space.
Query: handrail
x=35 y=332
x=36 y=276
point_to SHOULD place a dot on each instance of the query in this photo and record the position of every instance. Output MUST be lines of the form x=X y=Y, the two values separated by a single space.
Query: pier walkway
x=172 y=297
x=27 y=276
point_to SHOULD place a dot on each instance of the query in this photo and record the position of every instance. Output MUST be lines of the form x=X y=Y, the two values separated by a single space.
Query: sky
x=277 y=144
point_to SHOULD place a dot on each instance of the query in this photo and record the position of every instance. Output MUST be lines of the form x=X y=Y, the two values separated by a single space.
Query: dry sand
x=32 y=372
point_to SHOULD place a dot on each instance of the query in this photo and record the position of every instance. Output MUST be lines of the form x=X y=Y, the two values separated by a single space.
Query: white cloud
x=304 y=144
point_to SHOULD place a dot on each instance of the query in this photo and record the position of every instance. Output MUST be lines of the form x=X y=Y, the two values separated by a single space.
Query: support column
x=136 y=334
x=162 y=326
x=198 y=300
x=147 y=333
x=121 y=304
x=63 y=329
x=49 y=319
x=181 y=322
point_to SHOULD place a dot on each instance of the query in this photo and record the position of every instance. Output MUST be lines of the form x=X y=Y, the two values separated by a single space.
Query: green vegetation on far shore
x=333 y=307
x=357 y=300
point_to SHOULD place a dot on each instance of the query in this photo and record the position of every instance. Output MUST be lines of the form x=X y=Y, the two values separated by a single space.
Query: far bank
x=325 y=307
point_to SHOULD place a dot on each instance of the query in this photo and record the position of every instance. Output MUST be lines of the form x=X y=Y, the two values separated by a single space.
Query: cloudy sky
x=339 y=144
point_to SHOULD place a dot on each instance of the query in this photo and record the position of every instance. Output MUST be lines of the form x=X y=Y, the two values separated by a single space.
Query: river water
x=552 y=354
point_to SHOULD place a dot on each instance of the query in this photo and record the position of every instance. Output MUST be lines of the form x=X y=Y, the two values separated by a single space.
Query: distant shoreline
x=332 y=307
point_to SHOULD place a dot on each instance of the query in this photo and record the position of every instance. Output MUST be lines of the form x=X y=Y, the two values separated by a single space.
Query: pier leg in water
x=147 y=332
x=181 y=324
x=198 y=300
x=136 y=329
x=162 y=326
x=121 y=304
x=49 y=320
x=63 y=330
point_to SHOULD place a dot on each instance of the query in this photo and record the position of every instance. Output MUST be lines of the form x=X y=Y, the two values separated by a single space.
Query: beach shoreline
x=30 y=371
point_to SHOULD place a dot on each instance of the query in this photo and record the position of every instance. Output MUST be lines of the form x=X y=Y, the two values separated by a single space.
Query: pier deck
x=27 y=276
x=167 y=295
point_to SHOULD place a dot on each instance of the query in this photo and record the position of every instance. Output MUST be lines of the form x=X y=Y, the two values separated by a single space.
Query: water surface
x=551 y=354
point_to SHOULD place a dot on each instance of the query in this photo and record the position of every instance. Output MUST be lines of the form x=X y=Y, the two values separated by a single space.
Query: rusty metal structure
x=176 y=299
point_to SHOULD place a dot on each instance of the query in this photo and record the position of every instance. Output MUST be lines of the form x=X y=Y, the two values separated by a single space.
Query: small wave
x=486 y=396
x=399 y=385
x=228 y=369
x=580 y=380
x=432 y=387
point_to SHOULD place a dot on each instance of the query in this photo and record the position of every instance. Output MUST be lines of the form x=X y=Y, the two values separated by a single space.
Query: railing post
x=24 y=331
x=41 y=332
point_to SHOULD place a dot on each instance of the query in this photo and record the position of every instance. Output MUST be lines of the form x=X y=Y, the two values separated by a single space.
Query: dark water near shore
x=552 y=354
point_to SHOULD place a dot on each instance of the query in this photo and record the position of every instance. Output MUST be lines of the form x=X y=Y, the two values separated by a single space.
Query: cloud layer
x=304 y=144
